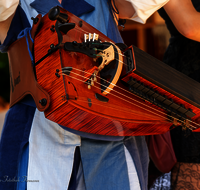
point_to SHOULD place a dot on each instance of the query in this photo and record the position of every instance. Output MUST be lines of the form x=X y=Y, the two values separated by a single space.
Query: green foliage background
x=4 y=77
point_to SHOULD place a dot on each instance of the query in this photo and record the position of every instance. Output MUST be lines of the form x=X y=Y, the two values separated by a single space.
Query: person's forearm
x=185 y=18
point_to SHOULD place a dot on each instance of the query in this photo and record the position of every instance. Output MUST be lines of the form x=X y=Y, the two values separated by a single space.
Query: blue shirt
x=98 y=14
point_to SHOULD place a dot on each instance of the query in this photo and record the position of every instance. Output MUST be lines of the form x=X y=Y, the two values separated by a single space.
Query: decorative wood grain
x=124 y=114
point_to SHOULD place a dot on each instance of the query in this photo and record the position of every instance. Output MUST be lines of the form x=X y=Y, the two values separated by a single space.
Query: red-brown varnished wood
x=124 y=114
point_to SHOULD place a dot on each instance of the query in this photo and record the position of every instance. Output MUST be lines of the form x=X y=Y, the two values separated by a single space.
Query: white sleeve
x=7 y=8
x=145 y=8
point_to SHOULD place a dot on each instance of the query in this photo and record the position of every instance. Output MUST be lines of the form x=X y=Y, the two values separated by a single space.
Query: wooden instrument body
x=118 y=113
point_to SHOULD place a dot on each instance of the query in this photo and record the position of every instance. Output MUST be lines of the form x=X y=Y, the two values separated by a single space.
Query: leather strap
x=22 y=77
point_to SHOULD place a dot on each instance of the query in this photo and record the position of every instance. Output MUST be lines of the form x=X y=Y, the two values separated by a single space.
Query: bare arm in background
x=185 y=18
x=183 y=14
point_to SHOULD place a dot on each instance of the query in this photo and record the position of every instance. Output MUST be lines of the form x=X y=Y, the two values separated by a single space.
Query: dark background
x=4 y=77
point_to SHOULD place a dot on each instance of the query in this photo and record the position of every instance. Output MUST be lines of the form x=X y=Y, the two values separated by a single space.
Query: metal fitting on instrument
x=43 y=102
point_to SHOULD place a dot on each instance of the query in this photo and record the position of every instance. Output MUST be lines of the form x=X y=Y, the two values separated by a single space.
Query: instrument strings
x=143 y=105
x=110 y=88
x=142 y=98
x=170 y=116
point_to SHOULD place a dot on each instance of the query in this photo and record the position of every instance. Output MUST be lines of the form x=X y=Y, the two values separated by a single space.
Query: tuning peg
x=95 y=37
x=92 y=82
x=90 y=37
x=95 y=76
x=86 y=37
x=89 y=84
x=55 y=14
